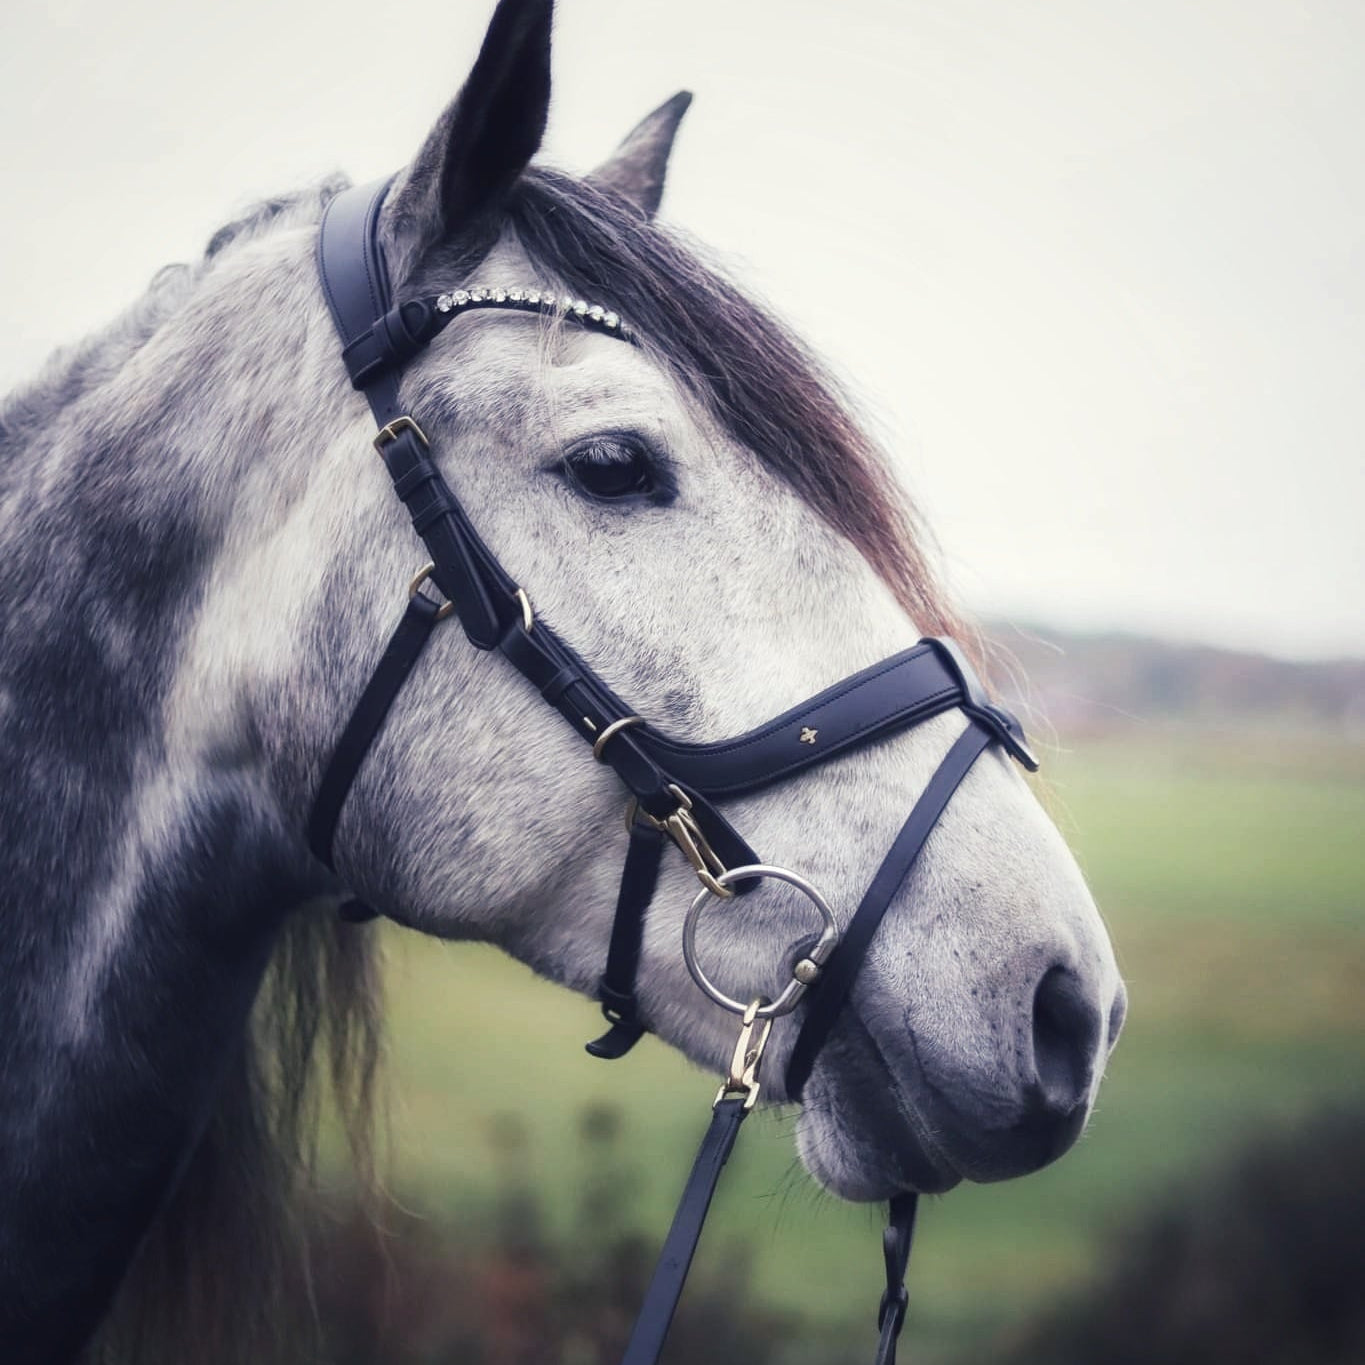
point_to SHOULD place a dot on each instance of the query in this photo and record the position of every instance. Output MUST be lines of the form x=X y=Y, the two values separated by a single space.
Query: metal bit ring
x=805 y=973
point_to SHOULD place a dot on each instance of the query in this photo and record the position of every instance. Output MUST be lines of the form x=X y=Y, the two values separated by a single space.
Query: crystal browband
x=533 y=301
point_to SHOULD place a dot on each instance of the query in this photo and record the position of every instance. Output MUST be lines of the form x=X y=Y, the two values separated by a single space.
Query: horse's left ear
x=638 y=166
x=483 y=141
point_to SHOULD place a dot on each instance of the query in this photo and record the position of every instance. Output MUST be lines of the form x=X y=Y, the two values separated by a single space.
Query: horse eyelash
x=663 y=478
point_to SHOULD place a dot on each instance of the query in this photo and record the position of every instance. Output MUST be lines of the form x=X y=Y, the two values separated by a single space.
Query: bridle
x=674 y=786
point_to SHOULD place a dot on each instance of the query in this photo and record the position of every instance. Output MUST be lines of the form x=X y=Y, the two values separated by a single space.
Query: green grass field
x=1233 y=878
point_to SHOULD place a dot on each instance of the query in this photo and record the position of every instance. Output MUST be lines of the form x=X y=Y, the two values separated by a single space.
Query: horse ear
x=637 y=168
x=483 y=141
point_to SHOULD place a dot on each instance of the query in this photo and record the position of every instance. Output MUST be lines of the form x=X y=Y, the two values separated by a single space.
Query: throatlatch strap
x=402 y=652
x=661 y=1298
x=616 y=990
x=828 y=997
x=896 y=1241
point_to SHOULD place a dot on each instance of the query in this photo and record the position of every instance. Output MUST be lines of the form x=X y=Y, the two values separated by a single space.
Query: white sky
x=1098 y=268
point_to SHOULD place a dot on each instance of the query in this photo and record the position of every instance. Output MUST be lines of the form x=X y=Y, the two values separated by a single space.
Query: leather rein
x=674 y=786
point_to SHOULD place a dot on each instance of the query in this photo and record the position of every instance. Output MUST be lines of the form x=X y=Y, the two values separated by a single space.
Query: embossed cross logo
x=808 y=735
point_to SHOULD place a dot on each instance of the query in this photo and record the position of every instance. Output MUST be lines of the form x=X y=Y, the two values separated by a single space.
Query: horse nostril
x=1066 y=1035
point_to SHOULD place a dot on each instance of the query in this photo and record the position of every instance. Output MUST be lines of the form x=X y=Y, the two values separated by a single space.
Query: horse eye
x=613 y=468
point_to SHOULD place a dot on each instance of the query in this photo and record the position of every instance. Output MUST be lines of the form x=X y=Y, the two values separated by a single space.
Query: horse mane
x=224 y=1268
x=73 y=372
x=223 y=1271
x=752 y=373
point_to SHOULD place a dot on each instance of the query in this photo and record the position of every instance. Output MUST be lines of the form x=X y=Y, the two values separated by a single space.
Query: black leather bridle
x=674 y=786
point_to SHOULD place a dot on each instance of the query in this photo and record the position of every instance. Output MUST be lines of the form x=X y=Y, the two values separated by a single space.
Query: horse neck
x=142 y=863
x=120 y=513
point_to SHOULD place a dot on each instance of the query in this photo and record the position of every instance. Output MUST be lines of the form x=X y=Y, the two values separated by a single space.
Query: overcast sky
x=1097 y=268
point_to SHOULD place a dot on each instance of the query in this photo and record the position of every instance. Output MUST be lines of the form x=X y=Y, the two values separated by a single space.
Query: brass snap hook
x=682 y=827
x=742 y=1078
x=686 y=833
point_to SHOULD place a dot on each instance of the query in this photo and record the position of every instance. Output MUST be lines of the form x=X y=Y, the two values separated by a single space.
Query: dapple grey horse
x=202 y=561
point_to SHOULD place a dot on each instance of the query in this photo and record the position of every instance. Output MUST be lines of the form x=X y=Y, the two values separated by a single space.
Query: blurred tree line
x=1094 y=683
x=1264 y=1266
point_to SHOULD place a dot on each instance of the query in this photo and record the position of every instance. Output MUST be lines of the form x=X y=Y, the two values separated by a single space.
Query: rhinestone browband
x=533 y=301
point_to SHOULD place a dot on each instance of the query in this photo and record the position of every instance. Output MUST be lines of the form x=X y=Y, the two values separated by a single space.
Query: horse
x=202 y=565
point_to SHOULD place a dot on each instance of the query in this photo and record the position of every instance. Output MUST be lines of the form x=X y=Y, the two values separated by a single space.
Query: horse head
x=700 y=517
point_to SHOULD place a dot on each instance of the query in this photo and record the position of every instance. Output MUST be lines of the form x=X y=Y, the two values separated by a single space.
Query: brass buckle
x=681 y=826
x=395 y=429
x=742 y=1078
x=421 y=576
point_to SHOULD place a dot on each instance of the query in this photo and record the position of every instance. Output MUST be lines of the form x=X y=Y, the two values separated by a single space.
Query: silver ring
x=809 y=966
